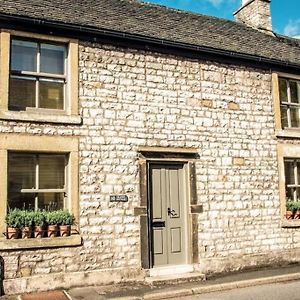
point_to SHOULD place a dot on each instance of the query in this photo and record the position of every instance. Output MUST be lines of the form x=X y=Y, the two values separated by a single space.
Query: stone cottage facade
x=176 y=149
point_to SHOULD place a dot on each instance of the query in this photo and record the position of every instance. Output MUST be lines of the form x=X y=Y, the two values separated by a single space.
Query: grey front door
x=168 y=214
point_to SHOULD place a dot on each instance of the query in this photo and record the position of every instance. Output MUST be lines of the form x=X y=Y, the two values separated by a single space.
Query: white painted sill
x=40 y=117
x=288 y=133
x=37 y=243
x=290 y=223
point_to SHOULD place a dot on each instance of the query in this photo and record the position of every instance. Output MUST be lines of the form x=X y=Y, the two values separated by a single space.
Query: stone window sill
x=40 y=117
x=288 y=133
x=35 y=243
x=290 y=223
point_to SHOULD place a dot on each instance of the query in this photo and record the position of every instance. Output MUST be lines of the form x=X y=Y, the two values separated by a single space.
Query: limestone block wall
x=130 y=98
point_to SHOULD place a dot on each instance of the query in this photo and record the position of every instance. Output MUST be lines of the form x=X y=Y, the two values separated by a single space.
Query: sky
x=285 y=13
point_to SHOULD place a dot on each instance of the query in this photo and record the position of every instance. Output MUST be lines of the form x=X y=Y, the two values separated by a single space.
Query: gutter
x=96 y=34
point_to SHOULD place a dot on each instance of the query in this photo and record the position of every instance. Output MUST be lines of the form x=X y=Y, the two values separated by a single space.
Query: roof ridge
x=154 y=21
x=192 y=13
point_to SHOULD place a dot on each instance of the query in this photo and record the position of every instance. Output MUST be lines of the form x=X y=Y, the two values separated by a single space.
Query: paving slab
x=51 y=295
x=146 y=291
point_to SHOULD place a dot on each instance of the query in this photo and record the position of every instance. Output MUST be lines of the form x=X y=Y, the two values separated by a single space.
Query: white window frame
x=289 y=104
x=37 y=190
x=287 y=132
x=286 y=152
x=296 y=183
x=42 y=75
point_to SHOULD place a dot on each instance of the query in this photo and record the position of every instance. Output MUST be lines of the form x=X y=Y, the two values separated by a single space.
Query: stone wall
x=130 y=98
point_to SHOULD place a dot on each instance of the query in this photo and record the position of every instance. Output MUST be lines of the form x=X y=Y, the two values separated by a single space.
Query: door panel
x=176 y=240
x=158 y=241
x=174 y=192
x=168 y=214
x=157 y=213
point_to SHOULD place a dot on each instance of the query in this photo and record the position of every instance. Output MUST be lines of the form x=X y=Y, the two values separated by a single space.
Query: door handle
x=172 y=212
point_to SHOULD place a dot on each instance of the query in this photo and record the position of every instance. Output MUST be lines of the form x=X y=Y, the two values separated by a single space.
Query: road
x=279 y=291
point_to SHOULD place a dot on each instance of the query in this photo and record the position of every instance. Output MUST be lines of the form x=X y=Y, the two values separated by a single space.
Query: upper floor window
x=37 y=75
x=289 y=91
x=39 y=78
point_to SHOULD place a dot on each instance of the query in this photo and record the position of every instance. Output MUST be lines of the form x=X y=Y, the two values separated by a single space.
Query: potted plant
x=27 y=223
x=52 y=222
x=65 y=220
x=296 y=209
x=290 y=209
x=39 y=222
x=14 y=222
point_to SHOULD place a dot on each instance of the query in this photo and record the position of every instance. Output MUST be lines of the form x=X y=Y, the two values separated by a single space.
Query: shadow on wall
x=1 y=275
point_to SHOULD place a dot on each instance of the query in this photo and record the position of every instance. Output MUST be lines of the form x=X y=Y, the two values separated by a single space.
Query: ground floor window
x=38 y=173
x=37 y=181
x=292 y=178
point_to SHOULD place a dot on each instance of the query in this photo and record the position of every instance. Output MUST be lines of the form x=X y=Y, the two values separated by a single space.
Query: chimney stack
x=256 y=14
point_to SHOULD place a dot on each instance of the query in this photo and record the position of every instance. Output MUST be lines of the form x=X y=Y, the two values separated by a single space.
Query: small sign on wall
x=118 y=198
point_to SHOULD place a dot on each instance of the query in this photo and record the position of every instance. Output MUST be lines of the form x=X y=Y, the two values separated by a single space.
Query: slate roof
x=159 y=22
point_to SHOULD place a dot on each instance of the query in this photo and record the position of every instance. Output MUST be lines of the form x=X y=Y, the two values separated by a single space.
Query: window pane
x=21 y=93
x=284 y=117
x=298 y=171
x=290 y=193
x=289 y=172
x=52 y=94
x=51 y=171
x=294 y=92
x=21 y=200
x=294 y=116
x=283 y=90
x=52 y=59
x=51 y=201
x=24 y=55
x=21 y=172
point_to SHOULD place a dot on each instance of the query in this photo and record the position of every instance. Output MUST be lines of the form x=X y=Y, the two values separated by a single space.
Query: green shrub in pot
x=39 y=221
x=65 y=220
x=13 y=221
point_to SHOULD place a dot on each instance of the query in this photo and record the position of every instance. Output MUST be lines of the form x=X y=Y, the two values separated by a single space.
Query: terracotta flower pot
x=12 y=233
x=26 y=232
x=297 y=214
x=65 y=230
x=39 y=232
x=52 y=231
x=289 y=215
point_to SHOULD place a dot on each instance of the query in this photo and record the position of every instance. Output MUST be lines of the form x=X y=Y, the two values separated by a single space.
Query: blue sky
x=285 y=13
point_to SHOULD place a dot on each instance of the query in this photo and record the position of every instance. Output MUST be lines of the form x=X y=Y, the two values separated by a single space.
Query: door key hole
x=172 y=212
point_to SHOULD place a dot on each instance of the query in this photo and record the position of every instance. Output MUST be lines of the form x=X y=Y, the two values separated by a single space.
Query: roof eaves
x=95 y=31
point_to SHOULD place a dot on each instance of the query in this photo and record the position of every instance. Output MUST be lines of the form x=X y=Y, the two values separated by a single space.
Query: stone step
x=175 y=279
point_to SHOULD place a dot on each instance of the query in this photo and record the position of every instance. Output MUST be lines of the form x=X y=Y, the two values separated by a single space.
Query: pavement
x=143 y=291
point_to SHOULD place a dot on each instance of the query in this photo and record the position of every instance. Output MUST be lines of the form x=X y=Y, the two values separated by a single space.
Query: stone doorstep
x=210 y=288
x=175 y=279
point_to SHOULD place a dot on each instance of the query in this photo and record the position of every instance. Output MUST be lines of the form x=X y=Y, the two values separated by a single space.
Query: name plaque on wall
x=118 y=198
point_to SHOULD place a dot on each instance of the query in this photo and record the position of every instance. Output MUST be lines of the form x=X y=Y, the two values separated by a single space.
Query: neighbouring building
x=172 y=137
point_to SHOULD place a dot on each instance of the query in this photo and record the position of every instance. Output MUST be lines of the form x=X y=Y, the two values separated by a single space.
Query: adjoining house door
x=168 y=218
